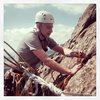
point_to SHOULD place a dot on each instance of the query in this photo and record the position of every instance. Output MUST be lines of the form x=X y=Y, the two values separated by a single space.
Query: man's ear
x=38 y=25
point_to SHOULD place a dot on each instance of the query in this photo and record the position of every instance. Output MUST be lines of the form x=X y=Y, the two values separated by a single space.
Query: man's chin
x=48 y=34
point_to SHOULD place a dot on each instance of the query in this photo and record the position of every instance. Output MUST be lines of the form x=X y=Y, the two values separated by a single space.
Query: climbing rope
x=15 y=51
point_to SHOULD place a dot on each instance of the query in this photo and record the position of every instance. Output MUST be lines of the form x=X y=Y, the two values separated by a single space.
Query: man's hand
x=78 y=54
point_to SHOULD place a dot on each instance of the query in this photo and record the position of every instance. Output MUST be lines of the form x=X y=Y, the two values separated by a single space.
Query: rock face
x=83 y=38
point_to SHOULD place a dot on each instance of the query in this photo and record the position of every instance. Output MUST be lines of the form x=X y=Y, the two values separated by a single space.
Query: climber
x=34 y=46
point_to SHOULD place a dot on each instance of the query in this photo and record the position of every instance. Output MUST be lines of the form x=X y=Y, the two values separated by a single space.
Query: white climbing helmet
x=44 y=17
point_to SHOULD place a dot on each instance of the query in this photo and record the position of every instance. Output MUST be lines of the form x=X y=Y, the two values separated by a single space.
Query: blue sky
x=19 y=20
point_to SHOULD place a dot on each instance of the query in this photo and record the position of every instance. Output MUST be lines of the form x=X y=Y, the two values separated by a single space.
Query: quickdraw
x=18 y=84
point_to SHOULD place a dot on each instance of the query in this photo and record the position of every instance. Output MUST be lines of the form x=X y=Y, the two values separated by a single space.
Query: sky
x=19 y=20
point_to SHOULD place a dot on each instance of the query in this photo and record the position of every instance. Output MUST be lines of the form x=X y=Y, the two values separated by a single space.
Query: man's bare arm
x=51 y=63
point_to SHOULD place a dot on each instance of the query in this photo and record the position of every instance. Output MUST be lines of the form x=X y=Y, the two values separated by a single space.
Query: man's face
x=46 y=29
